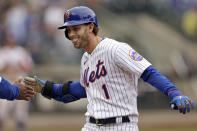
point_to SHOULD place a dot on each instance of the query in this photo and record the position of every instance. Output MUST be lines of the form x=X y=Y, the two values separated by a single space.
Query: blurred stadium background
x=163 y=31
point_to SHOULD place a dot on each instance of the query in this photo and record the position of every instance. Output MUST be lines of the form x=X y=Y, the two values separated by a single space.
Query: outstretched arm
x=14 y=91
x=7 y=90
x=178 y=100
x=67 y=92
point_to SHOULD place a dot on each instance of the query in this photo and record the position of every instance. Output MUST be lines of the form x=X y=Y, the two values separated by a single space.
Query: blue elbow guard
x=76 y=89
x=72 y=91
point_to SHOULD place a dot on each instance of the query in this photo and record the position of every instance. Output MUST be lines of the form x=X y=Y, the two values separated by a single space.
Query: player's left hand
x=182 y=103
x=35 y=83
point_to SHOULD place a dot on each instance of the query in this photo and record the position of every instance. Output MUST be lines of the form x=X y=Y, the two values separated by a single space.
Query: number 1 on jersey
x=105 y=91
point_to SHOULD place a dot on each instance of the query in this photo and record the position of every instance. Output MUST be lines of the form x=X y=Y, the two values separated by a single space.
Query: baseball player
x=109 y=77
x=14 y=91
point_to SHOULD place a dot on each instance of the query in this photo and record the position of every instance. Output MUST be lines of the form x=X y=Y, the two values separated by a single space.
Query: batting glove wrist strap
x=174 y=93
x=65 y=88
x=48 y=89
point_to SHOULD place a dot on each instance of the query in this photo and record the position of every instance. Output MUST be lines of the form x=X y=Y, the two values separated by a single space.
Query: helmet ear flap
x=66 y=34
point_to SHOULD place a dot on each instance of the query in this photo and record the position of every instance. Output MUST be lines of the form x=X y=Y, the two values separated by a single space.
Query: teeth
x=74 y=40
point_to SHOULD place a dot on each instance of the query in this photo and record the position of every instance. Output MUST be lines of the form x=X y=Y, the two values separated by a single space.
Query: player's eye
x=76 y=28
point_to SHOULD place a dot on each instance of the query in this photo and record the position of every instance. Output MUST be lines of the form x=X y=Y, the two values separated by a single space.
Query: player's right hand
x=26 y=93
x=35 y=83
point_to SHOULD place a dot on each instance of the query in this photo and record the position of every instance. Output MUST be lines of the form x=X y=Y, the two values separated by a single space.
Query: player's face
x=78 y=35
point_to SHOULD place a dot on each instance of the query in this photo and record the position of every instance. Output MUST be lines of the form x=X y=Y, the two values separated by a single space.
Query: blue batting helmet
x=79 y=15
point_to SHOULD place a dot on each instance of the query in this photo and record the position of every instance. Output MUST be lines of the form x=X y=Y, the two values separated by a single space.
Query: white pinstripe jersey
x=110 y=76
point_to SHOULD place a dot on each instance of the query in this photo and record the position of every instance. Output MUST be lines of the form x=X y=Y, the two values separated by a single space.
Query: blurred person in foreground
x=14 y=61
x=109 y=77
x=17 y=90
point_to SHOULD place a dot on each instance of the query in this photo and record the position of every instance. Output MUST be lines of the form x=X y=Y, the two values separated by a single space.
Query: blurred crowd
x=180 y=14
x=34 y=23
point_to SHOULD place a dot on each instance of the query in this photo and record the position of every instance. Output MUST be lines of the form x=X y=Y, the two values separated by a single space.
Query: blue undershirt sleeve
x=8 y=91
x=76 y=92
x=76 y=89
x=156 y=79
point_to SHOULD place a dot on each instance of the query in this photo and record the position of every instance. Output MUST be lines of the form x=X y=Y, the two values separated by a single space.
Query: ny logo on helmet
x=67 y=14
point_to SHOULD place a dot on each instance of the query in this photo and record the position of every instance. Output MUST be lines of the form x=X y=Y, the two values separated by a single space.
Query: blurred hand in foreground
x=26 y=93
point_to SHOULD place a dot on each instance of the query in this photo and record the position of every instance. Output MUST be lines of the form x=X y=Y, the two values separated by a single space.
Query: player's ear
x=91 y=27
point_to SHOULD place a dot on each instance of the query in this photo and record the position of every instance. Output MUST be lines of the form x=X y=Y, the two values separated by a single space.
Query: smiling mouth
x=74 y=40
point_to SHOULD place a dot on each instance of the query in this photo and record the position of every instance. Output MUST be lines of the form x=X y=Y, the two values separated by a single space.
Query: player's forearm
x=66 y=98
x=73 y=89
x=156 y=79
x=7 y=90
